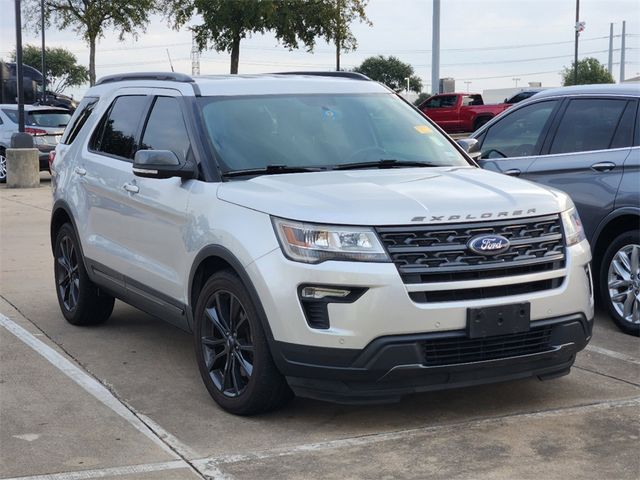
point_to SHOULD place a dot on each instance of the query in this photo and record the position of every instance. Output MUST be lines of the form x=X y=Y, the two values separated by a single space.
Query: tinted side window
x=518 y=133
x=624 y=133
x=119 y=128
x=165 y=128
x=587 y=124
x=442 y=102
x=84 y=112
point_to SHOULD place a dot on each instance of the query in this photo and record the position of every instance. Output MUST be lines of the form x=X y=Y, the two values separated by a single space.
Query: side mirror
x=161 y=164
x=471 y=146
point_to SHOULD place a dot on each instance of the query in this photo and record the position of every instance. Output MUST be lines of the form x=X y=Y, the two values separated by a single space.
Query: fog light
x=317 y=293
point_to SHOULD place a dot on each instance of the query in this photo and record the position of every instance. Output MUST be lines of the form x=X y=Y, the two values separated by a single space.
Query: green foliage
x=224 y=23
x=392 y=72
x=90 y=19
x=62 y=68
x=590 y=71
x=421 y=98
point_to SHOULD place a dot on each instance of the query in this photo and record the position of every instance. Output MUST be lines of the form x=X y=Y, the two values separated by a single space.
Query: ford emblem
x=488 y=244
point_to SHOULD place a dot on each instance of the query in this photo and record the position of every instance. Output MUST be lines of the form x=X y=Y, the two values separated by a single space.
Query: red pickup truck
x=460 y=112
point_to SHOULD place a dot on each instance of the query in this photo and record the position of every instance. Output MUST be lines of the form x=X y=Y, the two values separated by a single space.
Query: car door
x=442 y=110
x=585 y=154
x=511 y=143
x=102 y=173
x=153 y=229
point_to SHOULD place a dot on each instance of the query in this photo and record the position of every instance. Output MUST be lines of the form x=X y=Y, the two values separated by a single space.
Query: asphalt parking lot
x=124 y=400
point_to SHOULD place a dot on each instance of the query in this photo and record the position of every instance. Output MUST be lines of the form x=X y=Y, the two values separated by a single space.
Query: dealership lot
x=124 y=400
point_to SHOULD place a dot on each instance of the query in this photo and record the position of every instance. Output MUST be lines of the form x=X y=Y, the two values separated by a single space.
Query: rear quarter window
x=78 y=121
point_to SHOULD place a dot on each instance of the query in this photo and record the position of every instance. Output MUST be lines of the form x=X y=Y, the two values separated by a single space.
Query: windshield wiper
x=271 y=170
x=384 y=163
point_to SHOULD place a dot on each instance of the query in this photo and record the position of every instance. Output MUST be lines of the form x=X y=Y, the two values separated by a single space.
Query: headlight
x=311 y=243
x=574 y=233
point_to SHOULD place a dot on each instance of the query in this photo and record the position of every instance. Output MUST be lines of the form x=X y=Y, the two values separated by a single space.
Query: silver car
x=46 y=124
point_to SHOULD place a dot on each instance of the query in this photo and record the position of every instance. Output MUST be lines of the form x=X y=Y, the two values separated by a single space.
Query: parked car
x=523 y=95
x=460 y=112
x=584 y=140
x=316 y=234
x=46 y=124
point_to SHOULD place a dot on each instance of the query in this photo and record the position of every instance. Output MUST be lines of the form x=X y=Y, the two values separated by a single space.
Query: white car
x=317 y=234
x=45 y=124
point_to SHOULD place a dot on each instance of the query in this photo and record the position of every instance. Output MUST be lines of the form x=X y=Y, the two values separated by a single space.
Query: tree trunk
x=337 y=54
x=235 y=54
x=92 y=61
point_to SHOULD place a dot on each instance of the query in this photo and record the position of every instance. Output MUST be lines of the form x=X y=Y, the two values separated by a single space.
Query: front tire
x=80 y=300
x=3 y=165
x=232 y=351
x=620 y=281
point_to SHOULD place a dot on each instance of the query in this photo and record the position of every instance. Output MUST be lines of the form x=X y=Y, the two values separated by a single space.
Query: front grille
x=455 y=350
x=438 y=253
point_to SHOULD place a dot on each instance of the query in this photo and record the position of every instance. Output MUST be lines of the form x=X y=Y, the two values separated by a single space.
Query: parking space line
x=107 y=472
x=612 y=354
x=84 y=380
x=211 y=465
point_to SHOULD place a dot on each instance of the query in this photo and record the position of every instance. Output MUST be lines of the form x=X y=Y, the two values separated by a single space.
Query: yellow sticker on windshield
x=422 y=129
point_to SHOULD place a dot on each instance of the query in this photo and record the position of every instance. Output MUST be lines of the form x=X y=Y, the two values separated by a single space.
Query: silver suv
x=317 y=234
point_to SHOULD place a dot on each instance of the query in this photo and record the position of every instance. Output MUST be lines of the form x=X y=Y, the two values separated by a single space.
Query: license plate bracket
x=498 y=320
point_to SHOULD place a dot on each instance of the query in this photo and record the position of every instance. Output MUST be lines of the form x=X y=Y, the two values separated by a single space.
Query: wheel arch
x=486 y=117
x=611 y=226
x=212 y=259
x=60 y=214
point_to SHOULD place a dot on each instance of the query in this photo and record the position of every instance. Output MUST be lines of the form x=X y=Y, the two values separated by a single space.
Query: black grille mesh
x=451 y=351
x=438 y=253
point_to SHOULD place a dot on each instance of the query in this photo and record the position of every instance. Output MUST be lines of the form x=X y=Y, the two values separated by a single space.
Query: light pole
x=467 y=83
x=19 y=75
x=516 y=79
x=44 y=77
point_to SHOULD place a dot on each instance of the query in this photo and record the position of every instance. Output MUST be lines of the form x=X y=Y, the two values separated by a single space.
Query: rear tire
x=620 y=281
x=480 y=122
x=232 y=351
x=80 y=300
x=3 y=165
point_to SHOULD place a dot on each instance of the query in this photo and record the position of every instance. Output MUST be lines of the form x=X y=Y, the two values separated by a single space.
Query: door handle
x=603 y=166
x=80 y=171
x=514 y=172
x=131 y=188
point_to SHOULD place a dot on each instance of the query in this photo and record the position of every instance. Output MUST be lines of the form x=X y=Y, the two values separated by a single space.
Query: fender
x=226 y=255
x=613 y=215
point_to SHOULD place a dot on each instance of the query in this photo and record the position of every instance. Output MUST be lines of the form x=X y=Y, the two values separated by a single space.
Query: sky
x=486 y=42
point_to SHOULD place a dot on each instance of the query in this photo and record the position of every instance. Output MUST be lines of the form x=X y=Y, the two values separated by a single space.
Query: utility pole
x=575 y=57
x=610 y=65
x=19 y=75
x=435 y=49
x=195 y=56
x=622 y=51
x=338 y=33
x=516 y=79
x=467 y=83
x=42 y=54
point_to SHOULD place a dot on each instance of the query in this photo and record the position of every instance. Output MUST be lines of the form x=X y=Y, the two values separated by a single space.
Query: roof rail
x=352 y=75
x=170 y=76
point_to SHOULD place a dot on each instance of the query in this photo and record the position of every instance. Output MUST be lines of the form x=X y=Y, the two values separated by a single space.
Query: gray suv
x=585 y=141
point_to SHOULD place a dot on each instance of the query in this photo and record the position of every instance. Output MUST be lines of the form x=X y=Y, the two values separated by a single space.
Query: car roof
x=32 y=108
x=241 y=85
x=601 y=89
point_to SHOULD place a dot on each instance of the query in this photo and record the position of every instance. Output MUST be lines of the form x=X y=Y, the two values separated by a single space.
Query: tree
x=392 y=72
x=338 y=31
x=90 y=18
x=62 y=68
x=590 y=71
x=224 y=23
x=421 y=98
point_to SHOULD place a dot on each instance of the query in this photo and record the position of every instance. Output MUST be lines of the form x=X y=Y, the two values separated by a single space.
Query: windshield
x=321 y=130
x=41 y=118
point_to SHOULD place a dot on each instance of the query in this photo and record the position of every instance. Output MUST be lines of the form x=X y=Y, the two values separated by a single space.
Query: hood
x=394 y=196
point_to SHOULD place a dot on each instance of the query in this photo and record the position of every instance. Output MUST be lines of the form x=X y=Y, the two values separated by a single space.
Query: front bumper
x=391 y=367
